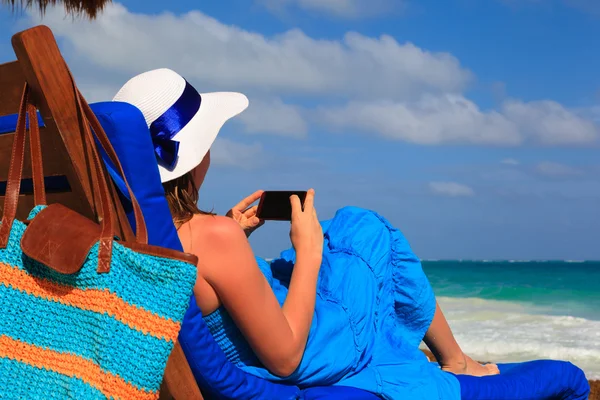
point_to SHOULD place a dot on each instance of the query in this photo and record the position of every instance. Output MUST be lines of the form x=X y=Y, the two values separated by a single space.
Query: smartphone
x=275 y=204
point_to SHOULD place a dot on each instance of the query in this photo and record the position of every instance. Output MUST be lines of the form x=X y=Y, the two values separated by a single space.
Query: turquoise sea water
x=522 y=310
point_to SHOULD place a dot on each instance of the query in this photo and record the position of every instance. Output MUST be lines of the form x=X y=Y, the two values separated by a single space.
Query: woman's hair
x=182 y=196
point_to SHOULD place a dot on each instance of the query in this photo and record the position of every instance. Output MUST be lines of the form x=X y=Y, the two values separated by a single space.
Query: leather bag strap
x=15 y=172
x=141 y=231
x=107 y=217
x=35 y=148
x=106 y=222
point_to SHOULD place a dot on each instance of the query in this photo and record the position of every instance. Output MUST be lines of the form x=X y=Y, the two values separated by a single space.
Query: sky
x=472 y=125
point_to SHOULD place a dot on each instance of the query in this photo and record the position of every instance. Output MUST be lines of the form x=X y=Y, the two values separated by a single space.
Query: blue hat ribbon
x=165 y=127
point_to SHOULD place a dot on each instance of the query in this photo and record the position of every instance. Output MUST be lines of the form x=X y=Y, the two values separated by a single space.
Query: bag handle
x=35 y=149
x=106 y=223
x=15 y=171
x=106 y=219
x=89 y=118
x=141 y=233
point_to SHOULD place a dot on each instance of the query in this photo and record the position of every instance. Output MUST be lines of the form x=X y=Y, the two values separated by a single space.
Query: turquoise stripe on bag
x=66 y=333
x=63 y=387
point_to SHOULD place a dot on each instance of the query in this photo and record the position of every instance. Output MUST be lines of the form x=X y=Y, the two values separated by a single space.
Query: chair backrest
x=68 y=176
x=66 y=169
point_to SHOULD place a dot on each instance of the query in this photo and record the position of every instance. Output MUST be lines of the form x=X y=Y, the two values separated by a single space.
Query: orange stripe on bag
x=73 y=366
x=100 y=301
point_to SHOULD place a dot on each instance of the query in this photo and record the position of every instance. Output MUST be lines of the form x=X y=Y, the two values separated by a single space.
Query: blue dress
x=373 y=307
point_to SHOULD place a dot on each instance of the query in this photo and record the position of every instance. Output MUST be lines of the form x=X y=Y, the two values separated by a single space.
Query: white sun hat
x=183 y=123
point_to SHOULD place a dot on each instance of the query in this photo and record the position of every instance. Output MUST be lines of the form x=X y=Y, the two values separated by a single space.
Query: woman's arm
x=277 y=334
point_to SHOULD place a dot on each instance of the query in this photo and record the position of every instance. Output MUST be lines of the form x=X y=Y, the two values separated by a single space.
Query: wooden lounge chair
x=66 y=161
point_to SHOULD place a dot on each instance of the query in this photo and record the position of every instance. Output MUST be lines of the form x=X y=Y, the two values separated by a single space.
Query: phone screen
x=275 y=205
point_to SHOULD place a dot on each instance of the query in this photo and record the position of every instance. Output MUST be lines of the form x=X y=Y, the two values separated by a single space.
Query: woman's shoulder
x=217 y=241
x=209 y=233
x=214 y=227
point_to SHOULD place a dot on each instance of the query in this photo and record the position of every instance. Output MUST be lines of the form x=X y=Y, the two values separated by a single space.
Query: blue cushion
x=8 y=123
x=337 y=393
x=127 y=131
x=543 y=379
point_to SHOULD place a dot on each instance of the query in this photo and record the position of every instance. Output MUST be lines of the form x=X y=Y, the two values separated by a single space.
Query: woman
x=348 y=305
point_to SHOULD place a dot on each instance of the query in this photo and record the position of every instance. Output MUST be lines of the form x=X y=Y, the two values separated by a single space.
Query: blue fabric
x=52 y=184
x=8 y=123
x=337 y=393
x=220 y=379
x=534 y=380
x=374 y=305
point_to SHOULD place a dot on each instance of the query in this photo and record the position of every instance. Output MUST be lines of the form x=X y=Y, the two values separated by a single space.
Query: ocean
x=506 y=311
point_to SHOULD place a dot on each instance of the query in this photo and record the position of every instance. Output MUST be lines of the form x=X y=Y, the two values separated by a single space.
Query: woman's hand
x=245 y=215
x=306 y=232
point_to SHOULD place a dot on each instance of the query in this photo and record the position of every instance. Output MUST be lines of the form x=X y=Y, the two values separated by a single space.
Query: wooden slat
x=56 y=162
x=26 y=203
x=179 y=382
x=51 y=144
x=47 y=73
x=11 y=82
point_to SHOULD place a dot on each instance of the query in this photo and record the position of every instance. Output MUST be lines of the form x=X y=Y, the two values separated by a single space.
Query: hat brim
x=196 y=138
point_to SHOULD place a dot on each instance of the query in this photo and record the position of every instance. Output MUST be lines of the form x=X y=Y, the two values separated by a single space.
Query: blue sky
x=472 y=125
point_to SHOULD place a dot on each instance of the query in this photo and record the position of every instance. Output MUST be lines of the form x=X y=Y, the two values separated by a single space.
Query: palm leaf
x=88 y=8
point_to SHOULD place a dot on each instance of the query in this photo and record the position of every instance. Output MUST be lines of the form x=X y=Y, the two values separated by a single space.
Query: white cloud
x=510 y=161
x=451 y=189
x=95 y=92
x=550 y=123
x=228 y=153
x=213 y=54
x=274 y=117
x=431 y=120
x=349 y=9
x=448 y=118
x=556 y=170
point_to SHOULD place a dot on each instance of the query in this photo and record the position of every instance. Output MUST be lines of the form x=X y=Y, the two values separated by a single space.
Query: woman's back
x=188 y=232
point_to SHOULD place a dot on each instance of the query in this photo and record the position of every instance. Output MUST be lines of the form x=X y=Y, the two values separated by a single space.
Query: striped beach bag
x=83 y=315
